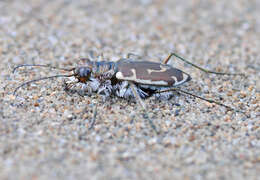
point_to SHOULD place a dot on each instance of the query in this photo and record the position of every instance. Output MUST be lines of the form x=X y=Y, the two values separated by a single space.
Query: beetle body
x=114 y=77
x=127 y=78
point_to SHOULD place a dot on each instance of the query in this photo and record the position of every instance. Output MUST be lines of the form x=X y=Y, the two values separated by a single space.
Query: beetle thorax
x=102 y=67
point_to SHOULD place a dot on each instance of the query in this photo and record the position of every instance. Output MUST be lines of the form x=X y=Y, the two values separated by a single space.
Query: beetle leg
x=105 y=90
x=198 y=67
x=136 y=95
x=108 y=75
x=72 y=88
x=93 y=121
x=141 y=102
x=165 y=61
x=202 y=98
x=68 y=85
x=132 y=54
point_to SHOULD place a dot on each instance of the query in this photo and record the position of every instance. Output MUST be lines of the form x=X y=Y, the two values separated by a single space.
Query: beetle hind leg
x=165 y=61
x=198 y=67
x=204 y=99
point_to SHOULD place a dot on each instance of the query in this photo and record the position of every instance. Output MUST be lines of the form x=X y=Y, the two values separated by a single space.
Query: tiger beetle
x=128 y=79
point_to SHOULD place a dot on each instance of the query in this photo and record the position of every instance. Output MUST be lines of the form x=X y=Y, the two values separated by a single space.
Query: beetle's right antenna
x=198 y=67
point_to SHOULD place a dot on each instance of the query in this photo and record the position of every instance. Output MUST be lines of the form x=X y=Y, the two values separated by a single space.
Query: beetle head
x=82 y=73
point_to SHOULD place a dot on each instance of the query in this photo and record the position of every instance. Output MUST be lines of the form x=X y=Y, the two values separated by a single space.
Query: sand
x=46 y=133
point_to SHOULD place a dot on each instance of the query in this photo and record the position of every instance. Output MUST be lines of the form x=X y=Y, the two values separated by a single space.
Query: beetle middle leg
x=141 y=102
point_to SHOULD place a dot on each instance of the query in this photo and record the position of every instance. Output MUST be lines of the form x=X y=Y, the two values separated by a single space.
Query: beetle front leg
x=68 y=86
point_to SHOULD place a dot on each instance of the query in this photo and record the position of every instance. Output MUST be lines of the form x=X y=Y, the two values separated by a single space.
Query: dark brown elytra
x=150 y=73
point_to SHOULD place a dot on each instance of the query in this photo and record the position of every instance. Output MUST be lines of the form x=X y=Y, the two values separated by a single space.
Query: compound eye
x=83 y=74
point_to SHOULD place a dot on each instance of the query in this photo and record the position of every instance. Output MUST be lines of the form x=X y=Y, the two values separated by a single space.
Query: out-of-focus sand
x=44 y=131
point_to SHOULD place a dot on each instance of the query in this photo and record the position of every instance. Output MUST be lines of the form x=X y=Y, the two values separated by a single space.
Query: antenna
x=40 y=65
x=43 y=78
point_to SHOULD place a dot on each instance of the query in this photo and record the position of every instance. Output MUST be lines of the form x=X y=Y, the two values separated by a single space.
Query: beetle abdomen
x=150 y=73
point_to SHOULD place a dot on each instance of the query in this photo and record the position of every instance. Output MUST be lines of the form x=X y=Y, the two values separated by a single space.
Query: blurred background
x=44 y=132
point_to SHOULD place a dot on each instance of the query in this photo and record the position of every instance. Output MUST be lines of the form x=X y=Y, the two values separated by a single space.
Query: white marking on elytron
x=185 y=77
x=175 y=79
x=119 y=75
x=163 y=69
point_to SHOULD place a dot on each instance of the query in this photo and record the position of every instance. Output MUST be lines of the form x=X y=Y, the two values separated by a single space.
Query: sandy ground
x=44 y=132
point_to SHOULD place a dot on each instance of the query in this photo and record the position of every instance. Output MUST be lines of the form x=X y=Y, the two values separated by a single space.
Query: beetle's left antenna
x=43 y=78
x=40 y=65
